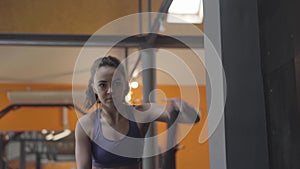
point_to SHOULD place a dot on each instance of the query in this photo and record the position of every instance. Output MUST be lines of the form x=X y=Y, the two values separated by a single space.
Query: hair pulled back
x=91 y=97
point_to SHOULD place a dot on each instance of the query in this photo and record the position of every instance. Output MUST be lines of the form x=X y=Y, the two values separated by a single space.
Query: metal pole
x=38 y=160
x=217 y=148
x=149 y=15
x=149 y=84
x=2 y=163
x=140 y=17
x=22 y=155
x=99 y=40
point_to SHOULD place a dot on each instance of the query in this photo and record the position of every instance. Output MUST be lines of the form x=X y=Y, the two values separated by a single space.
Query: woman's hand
x=187 y=114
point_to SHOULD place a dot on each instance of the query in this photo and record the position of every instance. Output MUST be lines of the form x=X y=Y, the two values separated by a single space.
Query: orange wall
x=50 y=165
x=193 y=156
x=31 y=119
x=67 y=16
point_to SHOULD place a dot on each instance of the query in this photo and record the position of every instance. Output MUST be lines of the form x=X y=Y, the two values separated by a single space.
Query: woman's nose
x=109 y=90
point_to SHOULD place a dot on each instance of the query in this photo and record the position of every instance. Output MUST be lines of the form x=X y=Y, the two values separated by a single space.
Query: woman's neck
x=112 y=114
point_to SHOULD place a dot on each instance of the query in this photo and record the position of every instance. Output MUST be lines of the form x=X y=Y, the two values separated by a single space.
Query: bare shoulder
x=87 y=118
x=86 y=123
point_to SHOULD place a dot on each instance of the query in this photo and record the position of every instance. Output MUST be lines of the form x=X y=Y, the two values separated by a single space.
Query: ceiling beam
x=161 y=41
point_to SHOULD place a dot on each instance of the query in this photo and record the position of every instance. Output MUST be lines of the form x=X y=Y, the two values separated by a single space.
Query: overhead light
x=186 y=11
x=134 y=84
x=44 y=131
x=49 y=136
x=65 y=132
x=128 y=97
x=135 y=73
x=61 y=135
x=58 y=136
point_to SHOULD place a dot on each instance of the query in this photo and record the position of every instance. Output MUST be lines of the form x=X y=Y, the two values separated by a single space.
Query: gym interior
x=238 y=65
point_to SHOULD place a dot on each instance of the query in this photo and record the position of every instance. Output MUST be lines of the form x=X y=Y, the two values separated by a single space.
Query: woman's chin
x=117 y=102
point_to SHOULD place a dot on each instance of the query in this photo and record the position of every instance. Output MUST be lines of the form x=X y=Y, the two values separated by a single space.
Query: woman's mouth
x=109 y=99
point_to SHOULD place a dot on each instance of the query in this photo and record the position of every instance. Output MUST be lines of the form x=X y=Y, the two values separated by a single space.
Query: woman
x=112 y=136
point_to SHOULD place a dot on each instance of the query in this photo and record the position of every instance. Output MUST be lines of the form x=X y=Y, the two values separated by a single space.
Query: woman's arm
x=156 y=112
x=187 y=113
x=82 y=148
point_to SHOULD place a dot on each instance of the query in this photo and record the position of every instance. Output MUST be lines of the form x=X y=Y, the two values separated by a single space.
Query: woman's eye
x=117 y=83
x=102 y=85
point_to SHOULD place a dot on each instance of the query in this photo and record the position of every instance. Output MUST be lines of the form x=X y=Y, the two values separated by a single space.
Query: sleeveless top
x=115 y=153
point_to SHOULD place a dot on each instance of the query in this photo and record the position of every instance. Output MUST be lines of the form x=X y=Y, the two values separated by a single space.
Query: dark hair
x=91 y=97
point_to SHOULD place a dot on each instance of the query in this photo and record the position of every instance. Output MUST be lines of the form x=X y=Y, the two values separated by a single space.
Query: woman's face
x=110 y=86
